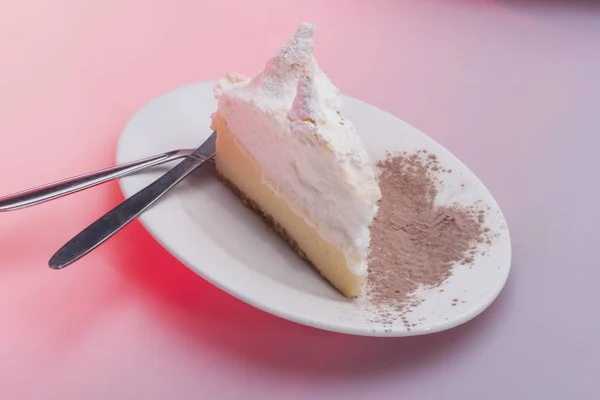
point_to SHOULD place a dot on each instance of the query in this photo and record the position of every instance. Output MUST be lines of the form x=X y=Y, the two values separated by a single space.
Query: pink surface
x=509 y=86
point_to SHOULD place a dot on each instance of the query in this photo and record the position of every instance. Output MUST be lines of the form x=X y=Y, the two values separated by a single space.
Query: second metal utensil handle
x=109 y=224
x=114 y=220
x=65 y=187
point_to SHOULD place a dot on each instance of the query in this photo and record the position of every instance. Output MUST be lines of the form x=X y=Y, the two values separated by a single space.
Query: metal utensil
x=68 y=186
x=109 y=224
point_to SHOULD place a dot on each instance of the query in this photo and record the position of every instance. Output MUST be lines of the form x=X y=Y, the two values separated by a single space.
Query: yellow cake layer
x=241 y=170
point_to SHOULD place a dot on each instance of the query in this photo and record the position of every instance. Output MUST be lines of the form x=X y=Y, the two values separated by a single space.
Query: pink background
x=510 y=86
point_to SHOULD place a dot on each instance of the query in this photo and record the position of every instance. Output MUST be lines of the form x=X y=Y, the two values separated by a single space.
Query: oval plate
x=208 y=229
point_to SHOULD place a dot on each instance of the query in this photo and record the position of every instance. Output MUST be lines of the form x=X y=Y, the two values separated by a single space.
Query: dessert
x=284 y=147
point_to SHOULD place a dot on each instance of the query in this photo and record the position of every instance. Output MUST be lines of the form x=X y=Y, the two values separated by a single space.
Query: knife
x=113 y=221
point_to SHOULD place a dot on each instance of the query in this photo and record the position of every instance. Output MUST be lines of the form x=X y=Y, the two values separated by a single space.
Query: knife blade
x=117 y=218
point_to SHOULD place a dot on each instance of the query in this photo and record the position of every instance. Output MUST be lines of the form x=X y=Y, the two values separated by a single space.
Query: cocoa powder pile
x=414 y=242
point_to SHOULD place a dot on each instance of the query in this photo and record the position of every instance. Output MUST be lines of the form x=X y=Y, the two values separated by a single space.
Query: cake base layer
x=241 y=173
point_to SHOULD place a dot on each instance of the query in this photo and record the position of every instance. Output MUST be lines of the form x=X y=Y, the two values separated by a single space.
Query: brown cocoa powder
x=414 y=242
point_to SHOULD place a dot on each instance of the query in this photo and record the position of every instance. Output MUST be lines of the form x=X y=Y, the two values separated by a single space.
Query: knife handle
x=113 y=221
x=68 y=186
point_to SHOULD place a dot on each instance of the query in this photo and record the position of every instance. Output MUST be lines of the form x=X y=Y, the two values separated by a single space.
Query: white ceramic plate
x=208 y=229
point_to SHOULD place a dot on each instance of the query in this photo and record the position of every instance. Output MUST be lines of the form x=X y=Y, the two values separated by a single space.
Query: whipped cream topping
x=289 y=119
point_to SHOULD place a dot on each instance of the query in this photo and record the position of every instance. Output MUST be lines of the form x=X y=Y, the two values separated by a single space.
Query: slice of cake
x=285 y=149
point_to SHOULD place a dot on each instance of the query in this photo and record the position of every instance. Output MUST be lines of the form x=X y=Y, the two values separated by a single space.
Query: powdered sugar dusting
x=279 y=80
x=306 y=105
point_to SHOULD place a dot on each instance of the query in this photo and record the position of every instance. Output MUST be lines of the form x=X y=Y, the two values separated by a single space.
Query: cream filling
x=236 y=165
